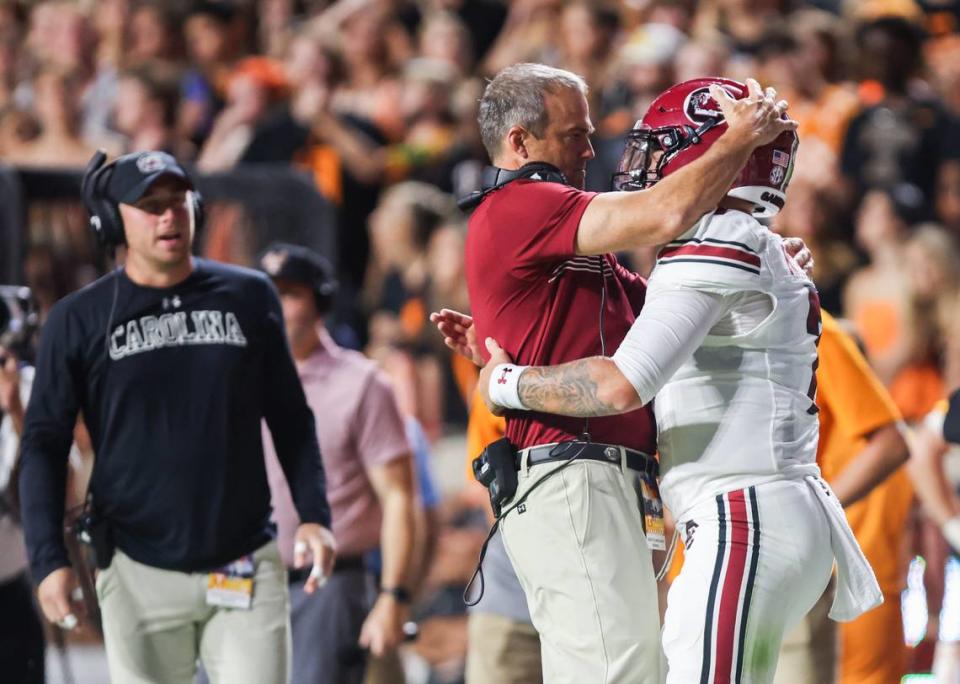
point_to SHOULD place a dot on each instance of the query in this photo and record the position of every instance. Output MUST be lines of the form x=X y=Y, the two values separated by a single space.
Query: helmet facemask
x=649 y=151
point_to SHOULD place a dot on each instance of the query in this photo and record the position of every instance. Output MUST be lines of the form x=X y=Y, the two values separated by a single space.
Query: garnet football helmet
x=681 y=124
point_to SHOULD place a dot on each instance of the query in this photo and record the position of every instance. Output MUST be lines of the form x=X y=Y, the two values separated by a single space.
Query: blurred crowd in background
x=376 y=101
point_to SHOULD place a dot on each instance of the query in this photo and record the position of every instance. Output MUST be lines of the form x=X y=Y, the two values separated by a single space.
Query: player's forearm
x=885 y=451
x=584 y=388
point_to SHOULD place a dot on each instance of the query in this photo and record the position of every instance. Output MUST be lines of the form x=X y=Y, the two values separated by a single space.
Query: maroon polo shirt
x=533 y=294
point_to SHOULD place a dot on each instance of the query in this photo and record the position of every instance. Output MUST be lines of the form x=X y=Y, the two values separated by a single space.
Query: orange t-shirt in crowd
x=853 y=404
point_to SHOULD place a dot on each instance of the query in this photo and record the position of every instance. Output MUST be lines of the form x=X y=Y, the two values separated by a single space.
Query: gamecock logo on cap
x=148 y=163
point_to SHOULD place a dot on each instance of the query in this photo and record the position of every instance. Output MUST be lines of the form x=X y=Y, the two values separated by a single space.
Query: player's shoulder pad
x=723 y=249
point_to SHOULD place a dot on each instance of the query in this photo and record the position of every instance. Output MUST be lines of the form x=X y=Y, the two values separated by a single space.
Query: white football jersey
x=740 y=411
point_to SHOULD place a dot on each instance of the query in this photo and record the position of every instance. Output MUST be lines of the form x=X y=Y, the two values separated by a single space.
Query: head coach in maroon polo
x=543 y=281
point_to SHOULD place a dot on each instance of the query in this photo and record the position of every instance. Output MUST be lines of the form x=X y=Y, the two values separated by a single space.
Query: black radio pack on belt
x=495 y=178
x=496 y=469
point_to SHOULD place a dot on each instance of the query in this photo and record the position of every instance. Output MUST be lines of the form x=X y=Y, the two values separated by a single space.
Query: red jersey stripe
x=730 y=597
x=732 y=253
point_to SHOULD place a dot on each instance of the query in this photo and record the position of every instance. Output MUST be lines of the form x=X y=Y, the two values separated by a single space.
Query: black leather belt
x=591 y=451
x=340 y=565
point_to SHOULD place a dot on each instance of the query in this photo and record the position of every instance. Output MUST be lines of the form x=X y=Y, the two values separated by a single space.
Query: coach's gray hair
x=515 y=98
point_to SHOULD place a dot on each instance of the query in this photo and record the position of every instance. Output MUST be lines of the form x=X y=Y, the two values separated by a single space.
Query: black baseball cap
x=298 y=264
x=134 y=173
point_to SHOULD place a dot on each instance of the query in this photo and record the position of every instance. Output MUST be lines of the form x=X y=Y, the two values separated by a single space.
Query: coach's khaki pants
x=580 y=553
x=156 y=624
x=501 y=650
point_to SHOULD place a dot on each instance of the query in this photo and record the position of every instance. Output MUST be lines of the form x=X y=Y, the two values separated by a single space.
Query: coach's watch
x=401 y=594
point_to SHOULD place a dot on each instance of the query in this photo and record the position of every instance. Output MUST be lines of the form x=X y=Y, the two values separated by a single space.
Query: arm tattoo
x=568 y=390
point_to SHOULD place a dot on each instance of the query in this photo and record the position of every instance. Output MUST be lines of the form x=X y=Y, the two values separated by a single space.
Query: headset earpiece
x=105 y=221
x=196 y=208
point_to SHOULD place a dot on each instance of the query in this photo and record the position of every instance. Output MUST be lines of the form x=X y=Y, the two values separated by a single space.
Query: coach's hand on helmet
x=317 y=540
x=759 y=117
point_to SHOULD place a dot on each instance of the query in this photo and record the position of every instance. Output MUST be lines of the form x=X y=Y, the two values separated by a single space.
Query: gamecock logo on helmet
x=701 y=106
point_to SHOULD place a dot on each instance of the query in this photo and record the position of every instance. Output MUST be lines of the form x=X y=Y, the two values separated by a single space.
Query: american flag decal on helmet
x=781 y=158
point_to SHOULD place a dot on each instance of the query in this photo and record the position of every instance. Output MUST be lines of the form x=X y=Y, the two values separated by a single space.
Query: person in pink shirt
x=370 y=485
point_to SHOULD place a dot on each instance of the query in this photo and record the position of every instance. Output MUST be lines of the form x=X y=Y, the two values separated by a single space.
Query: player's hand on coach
x=797 y=249
x=497 y=356
x=56 y=595
x=759 y=117
x=458 y=333
x=316 y=540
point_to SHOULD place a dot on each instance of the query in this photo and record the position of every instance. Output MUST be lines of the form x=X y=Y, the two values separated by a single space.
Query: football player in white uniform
x=726 y=340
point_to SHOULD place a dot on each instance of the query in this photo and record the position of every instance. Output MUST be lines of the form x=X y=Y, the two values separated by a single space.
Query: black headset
x=495 y=178
x=105 y=220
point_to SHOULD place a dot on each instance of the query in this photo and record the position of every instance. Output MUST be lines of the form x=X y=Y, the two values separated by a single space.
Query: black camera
x=496 y=469
x=18 y=321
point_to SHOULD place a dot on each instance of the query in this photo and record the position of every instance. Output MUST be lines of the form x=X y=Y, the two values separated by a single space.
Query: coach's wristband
x=504 y=385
